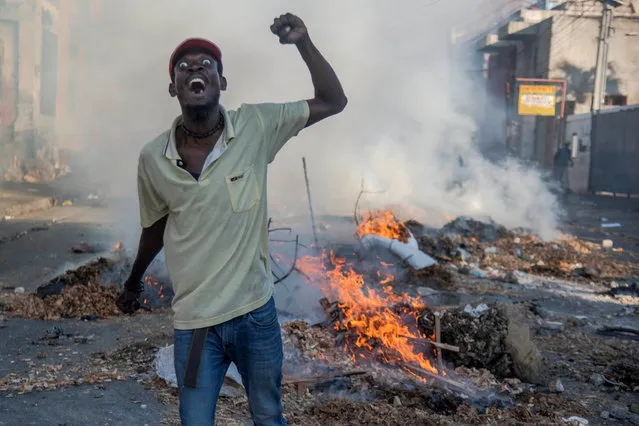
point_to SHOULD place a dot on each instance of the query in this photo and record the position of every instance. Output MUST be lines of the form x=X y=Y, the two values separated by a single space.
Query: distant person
x=202 y=194
x=563 y=160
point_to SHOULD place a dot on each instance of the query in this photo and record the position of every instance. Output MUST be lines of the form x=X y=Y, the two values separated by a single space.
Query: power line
x=577 y=23
x=525 y=49
x=559 y=30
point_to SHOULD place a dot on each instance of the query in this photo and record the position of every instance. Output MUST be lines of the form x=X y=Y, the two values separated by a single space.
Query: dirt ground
x=102 y=362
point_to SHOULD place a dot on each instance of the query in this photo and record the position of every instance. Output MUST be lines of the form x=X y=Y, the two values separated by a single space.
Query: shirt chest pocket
x=243 y=189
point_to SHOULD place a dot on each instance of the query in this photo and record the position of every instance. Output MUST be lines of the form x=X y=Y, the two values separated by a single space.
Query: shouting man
x=202 y=194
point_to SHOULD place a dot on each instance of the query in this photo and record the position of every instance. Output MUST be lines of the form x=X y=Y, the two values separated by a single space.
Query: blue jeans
x=253 y=342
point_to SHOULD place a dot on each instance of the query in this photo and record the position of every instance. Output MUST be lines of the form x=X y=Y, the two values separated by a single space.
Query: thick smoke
x=402 y=133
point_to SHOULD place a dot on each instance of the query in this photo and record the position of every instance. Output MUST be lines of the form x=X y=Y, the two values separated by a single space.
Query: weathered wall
x=573 y=56
x=29 y=142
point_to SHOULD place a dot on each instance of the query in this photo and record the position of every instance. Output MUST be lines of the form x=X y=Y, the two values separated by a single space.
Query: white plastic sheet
x=408 y=252
x=165 y=369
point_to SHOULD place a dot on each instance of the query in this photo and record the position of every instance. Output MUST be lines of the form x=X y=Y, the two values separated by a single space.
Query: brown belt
x=195 y=356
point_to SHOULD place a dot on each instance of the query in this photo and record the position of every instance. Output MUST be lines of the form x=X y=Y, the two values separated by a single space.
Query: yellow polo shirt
x=216 y=237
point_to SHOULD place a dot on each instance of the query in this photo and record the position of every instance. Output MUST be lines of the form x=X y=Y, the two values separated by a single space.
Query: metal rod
x=310 y=203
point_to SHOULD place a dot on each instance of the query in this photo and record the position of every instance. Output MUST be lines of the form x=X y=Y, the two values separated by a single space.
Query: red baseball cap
x=194 y=43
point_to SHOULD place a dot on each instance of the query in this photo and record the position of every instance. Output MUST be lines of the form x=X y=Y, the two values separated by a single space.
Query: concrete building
x=557 y=40
x=36 y=82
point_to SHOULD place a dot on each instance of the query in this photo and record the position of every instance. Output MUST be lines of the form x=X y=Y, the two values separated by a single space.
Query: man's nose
x=196 y=67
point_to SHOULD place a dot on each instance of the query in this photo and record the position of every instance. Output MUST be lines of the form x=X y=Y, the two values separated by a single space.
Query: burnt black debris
x=470 y=228
x=481 y=339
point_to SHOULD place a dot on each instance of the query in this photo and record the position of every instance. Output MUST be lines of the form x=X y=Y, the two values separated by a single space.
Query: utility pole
x=601 y=68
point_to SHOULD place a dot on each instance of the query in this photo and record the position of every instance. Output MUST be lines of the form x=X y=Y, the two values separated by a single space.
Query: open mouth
x=197 y=85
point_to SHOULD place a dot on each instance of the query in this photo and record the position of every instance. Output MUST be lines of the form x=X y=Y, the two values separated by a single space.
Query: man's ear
x=172 y=90
x=223 y=83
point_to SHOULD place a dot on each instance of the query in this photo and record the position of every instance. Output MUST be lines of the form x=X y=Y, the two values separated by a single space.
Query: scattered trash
x=67 y=203
x=464 y=270
x=495 y=274
x=83 y=339
x=621 y=290
x=556 y=386
x=53 y=333
x=511 y=277
x=587 y=272
x=607 y=244
x=619 y=412
x=435 y=276
x=611 y=225
x=8 y=217
x=597 y=379
x=463 y=254
x=476 y=311
x=490 y=250
x=478 y=273
x=426 y=291
x=83 y=248
x=19 y=290
x=550 y=328
x=575 y=421
x=89 y=317
x=604 y=414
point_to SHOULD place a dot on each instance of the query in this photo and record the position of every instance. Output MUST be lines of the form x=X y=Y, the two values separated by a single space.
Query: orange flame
x=384 y=224
x=155 y=285
x=380 y=331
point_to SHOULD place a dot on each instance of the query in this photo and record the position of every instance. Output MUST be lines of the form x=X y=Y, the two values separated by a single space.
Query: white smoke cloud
x=402 y=130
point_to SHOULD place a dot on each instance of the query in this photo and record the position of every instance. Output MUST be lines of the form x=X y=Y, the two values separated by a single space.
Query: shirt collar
x=170 y=150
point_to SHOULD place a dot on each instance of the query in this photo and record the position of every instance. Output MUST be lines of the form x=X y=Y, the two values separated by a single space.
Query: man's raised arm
x=329 y=96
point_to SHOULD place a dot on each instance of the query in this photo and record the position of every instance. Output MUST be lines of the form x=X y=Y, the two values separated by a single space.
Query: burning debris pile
x=88 y=292
x=372 y=324
x=312 y=347
x=377 y=323
x=323 y=395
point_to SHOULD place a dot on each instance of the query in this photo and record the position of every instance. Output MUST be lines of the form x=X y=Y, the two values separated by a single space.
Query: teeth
x=196 y=80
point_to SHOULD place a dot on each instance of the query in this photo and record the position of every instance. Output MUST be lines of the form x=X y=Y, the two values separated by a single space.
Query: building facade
x=557 y=41
x=37 y=79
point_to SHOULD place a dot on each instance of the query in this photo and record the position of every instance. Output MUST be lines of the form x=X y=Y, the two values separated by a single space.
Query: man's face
x=197 y=83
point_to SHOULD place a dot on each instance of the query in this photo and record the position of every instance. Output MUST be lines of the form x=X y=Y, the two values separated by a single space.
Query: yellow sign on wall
x=535 y=99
